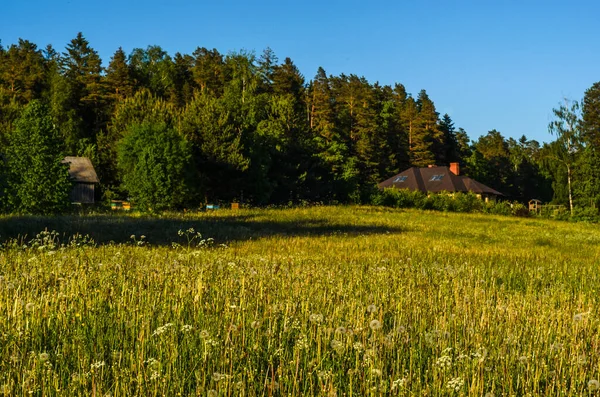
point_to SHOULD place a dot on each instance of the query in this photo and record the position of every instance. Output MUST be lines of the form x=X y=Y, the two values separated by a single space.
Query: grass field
x=333 y=301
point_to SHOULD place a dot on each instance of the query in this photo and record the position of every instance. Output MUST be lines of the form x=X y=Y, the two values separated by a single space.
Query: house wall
x=82 y=193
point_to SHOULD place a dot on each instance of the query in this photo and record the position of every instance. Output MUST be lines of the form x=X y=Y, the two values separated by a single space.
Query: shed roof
x=436 y=179
x=81 y=169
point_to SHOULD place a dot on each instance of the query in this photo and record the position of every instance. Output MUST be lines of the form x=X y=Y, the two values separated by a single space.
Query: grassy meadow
x=332 y=301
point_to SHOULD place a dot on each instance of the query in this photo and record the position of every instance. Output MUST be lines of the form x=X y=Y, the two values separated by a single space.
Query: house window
x=436 y=178
x=400 y=179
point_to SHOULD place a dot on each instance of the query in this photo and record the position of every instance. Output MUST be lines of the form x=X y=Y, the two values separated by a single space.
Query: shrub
x=585 y=214
x=36 y=182
x=467 y=202
x=154 y=161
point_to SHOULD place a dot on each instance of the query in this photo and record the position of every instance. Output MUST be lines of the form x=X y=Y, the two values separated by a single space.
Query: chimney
x=455 y=168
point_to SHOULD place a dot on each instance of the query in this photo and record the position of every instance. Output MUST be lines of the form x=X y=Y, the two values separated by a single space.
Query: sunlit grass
x=318 y=301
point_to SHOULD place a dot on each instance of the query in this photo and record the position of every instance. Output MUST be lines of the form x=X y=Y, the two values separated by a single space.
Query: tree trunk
x=570 y=194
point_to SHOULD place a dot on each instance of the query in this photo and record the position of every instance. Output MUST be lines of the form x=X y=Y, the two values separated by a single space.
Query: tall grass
x=323 y=301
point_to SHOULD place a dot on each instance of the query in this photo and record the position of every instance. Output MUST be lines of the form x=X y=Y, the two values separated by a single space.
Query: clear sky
x=489 y=64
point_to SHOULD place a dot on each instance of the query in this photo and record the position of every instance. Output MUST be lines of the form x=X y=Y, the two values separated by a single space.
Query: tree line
x=175 y=131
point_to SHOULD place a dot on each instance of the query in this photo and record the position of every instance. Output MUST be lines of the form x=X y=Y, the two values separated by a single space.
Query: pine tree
x=119 y=80
x=208 y=71
x=22 y=71
x=266 y=68
x=424 y=132
x=82 y=68
x=590 y=132
x=449 y=152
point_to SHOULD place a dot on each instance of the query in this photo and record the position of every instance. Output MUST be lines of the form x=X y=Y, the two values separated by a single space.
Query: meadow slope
x=326 y=301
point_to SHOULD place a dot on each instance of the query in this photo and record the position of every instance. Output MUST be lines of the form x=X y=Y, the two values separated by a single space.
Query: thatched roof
x=81 y=169
x=436 y=179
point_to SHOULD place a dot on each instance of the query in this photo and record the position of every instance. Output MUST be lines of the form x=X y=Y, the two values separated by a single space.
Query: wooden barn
x=85 y=179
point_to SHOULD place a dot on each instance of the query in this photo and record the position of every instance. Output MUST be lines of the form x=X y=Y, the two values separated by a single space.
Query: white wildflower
x=315 y=318
x=455 y=384
x=163 y=329
x=337 y=346
x=593 y=385
x=371 y=309
x=375 y=325
x=97 y=365
x=398 y=383
x=444 y=362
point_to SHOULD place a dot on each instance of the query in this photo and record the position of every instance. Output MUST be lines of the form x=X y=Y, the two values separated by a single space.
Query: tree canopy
x=254 y=128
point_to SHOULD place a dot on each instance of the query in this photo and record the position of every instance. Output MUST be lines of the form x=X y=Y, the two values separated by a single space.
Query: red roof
x=436 y=179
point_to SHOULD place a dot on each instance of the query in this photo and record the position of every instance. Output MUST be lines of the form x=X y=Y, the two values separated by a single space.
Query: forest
x=170 y=131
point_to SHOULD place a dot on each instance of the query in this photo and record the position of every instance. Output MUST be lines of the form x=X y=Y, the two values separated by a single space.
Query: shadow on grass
x=163 y=230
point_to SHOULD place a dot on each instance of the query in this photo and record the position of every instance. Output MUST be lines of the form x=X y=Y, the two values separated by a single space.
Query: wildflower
x=444 y=362
x=204 y=334
x=154 y=375
x=578 y=317
x=212 y=393
x=97 y=365
x=152 y=362
x=186 y=328
x=455 y=384
x=375 y=372
x=163 y=329
x=132 y=237
x=337 y=346
x=593 y=385
x=375 y=325
x=29 y=307
x=371 y=308
x=255 y=324
x=315 y=318
x=302 y=342
x=217 y=377
x=398 y=383
x=340 y=330
x=44 y=357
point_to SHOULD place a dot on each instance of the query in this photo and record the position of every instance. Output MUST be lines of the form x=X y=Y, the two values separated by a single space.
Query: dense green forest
x=172 y=131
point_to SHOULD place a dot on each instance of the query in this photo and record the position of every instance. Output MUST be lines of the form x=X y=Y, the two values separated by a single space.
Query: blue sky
x=489 y=64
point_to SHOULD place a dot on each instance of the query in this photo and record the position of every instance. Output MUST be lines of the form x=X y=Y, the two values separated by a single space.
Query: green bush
x=154 y=161
x=467 y=202
x=37 y=182
x=585 y=214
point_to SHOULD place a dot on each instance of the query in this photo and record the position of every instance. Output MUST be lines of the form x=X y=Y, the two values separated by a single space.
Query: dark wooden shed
x=84 y=176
